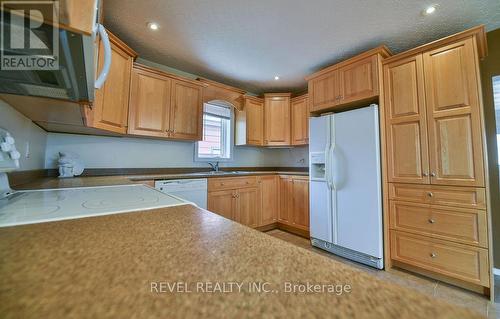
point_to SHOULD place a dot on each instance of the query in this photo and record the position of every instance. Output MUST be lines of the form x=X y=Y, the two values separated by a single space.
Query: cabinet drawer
x=215 y=184
x=468 y=197
x=462 y=225
x=463 y=262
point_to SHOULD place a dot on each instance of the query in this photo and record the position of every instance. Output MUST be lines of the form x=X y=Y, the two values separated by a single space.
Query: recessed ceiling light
x=153 y=26
x=276 y=77
x=430 y=9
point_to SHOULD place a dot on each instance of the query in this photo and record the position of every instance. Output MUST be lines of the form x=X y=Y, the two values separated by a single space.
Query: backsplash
x=126 y=152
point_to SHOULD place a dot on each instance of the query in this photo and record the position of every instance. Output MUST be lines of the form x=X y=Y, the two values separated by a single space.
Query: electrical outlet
x=27 y=150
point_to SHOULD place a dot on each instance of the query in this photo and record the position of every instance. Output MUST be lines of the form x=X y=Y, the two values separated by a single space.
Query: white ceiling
x=245 y=43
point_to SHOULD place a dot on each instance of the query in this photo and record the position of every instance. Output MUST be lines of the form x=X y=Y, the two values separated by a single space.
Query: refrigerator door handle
x=327 y=166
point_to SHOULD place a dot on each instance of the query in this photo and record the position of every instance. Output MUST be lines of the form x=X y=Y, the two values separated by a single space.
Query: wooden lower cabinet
x=248 y=207
x=260 y=201
x=294 y=201
x=463 y=262
x=269 y=191
x=222 y=203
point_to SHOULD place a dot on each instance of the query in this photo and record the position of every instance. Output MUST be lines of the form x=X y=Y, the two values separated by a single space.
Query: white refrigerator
x=345 y=185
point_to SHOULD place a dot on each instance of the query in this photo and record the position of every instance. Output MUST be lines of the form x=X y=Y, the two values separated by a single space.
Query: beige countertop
x=103 y=267
x=89 y=181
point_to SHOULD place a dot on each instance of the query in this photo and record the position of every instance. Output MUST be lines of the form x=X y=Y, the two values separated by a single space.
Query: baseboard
x=294 y=230
x=496 y=271
x=267 y=227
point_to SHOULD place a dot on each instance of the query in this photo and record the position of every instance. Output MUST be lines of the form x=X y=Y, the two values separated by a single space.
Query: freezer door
x=319 y=133
x=320 y=211
x=357 y=181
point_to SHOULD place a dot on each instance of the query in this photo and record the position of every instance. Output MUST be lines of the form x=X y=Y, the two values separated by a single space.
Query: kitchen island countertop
x=114 y=267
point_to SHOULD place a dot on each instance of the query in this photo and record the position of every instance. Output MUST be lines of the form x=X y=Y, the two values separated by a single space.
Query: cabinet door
x=407 y=157
x=149 y=104
x=453 y=112
x=277 y=120
x=286 y=200
x=269 y=196
x=248 y=207
x=359 y=80
x=223 y=203
x=300 y=121
x=324 y=91
x=300 y=198
x=187 y=111
x=255 y=122
x=112 y=100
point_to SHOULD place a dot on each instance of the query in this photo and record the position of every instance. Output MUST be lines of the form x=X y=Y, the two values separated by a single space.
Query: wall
x=490 y=67
x=125 y=152
x=27 y=136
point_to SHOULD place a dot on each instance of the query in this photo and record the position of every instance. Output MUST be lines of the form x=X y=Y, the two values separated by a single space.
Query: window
x=217 y=133
x=496 y=99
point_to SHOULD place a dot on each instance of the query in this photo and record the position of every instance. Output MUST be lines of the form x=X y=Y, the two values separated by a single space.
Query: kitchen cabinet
x=222 y=203
x=407 y=157
x=439 y=215
x=359 y=80
x=236 y=198
x=300 y=120
x=349 y=83
x=248 y=206
x=294 y=202
x=437 y=141
x=110 y=109
x=162 y=105
x=269 y=190
x=249 y=128
x=149 y=104
x=187 y=111
x=324 y=91
x=277 y=119
x=454 y=124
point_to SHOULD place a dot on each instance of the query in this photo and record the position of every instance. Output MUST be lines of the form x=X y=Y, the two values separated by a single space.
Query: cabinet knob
x=430 y=194
x=431 y=221
x=433 y=255
x=433 y=174
x=425 y=174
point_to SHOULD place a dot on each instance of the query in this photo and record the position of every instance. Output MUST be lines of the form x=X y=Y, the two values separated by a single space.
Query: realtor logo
x=27 y=43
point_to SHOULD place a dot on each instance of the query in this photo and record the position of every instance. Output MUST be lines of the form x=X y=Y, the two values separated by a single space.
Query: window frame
x=197 y=158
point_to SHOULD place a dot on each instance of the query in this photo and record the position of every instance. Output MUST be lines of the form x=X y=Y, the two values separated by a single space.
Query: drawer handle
x=431 y=221
x=430 y=194
x=433 y=255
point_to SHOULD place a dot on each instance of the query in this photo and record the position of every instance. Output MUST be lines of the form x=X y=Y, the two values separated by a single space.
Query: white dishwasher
x=191 y=190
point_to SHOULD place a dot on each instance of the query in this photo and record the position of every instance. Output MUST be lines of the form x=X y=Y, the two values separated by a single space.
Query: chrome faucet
x=215 y=167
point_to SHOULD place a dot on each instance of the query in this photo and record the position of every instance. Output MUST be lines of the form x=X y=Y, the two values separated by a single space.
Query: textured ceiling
x=245 y=43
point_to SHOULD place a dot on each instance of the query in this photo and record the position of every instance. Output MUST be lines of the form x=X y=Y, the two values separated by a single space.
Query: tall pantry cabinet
x=439 y=218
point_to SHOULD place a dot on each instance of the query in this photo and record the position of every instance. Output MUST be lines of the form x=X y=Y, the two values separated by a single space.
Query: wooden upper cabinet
x=300 y=120
x=359 y=80
x=186 y=111
x=407 y=156
x=254 y=109
x=162 y=105
x=453 y=112
x=269 y=190
x=110 y=108
x=348 y=82
x=149 y=104
x=223 y=203
x=324 y=91
x=277 y=119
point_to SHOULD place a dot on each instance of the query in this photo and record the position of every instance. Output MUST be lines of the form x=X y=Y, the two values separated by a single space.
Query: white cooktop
x=38 y=206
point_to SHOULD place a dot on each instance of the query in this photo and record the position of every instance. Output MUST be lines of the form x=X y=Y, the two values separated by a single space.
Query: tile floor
x=448 y=293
